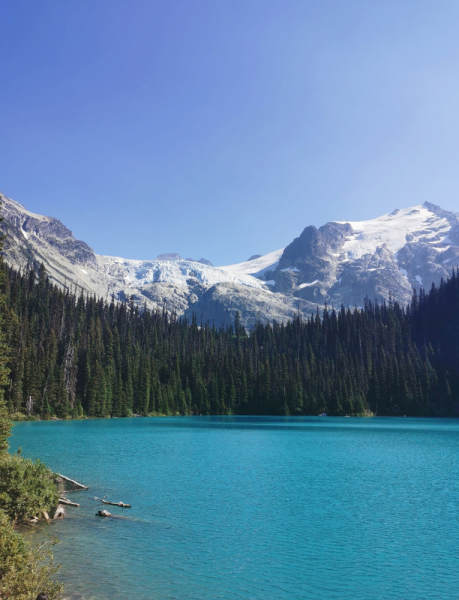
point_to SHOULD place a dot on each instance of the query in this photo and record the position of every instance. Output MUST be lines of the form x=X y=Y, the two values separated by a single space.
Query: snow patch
x=270 y=282
x=419 y=279
x=24 y=234
x=290 y=269
x=83 y=271
x=404 y=272
x=391 y=231
x=257 y=266
x=303 y=285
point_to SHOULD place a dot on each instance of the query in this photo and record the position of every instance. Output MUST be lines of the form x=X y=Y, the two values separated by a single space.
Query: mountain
x=338 y=263
x=342 y=262
x=169 y=281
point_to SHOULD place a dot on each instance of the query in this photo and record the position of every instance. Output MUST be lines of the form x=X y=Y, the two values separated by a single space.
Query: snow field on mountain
x=416 y=222
x=257 y=266
x=138 y=272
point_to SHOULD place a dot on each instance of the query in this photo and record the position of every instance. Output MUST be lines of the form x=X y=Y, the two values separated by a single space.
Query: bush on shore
x=27 y=488
x=25 y=570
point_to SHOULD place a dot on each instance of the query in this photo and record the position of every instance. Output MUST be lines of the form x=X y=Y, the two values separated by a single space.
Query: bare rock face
x=308 y=267
x=424 y=264
x=220 y=303
x=46 y=232
x=375 y=276
x=160 y=296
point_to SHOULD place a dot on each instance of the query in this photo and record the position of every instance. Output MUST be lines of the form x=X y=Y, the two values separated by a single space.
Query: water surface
x=257 y=507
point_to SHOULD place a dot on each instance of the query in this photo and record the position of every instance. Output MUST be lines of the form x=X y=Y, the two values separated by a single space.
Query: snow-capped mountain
x=339 y=263
x=342 y=262
x=169 y=281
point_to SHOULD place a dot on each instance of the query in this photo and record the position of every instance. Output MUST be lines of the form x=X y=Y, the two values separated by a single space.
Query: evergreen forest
x=72 y=355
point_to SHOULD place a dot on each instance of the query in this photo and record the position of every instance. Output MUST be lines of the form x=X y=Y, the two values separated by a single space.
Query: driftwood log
x=67 y=502
x=73 y=482
x=112 y=503
x=103 y=513
x=60 y=512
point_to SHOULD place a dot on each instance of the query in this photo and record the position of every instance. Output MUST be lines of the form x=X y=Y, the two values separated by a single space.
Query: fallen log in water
x=117 y=504
x=75 y=483
x=67 y=502
x=112 y=503
x=103 y=513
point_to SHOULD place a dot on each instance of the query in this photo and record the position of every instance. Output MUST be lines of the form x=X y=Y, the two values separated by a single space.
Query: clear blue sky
x=221 y=128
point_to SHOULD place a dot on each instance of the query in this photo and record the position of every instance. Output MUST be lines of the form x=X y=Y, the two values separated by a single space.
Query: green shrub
x=27 y=488
x=20 y=416
x=25 y=571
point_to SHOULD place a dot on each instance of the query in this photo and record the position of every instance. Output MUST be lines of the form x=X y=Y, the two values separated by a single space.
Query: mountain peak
x=169 y=256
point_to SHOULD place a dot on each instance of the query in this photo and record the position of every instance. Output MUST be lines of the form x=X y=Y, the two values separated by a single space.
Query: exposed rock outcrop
x=220 y=303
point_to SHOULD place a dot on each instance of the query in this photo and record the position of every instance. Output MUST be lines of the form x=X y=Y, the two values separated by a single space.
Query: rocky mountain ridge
x=343 y=262
x=179 y=285
x=338 y=263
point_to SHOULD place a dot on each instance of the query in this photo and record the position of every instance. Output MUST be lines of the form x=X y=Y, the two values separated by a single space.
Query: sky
x=222 y=128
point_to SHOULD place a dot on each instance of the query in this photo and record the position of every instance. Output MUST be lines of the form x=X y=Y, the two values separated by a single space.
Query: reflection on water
x=256 y=507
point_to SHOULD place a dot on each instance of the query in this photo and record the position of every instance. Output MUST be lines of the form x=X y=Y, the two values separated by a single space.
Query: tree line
x=72 y=355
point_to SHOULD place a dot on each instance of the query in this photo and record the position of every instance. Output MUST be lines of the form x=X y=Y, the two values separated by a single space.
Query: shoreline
x=19 y=418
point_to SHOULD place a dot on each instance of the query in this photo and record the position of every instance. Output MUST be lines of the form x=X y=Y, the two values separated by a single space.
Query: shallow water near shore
x=256 y=507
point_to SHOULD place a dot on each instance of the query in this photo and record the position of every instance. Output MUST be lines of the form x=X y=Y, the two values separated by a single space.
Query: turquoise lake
x=256 y=507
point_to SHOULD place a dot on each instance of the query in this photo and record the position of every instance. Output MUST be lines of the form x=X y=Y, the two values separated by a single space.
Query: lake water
x=257 y=508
